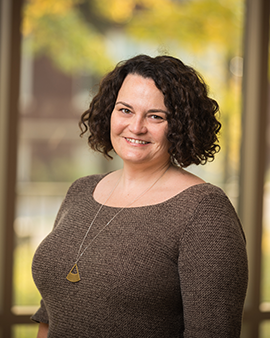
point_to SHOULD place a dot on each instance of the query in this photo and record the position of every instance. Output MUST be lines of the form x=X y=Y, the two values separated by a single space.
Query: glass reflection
x=67 y=47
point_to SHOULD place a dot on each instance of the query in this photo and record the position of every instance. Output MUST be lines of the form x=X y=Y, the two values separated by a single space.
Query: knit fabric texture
x=173 y=269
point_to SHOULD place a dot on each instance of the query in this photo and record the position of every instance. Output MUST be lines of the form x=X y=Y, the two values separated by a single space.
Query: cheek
x=118 y=124
x=166 y=144
x=116 y=127
x=162 y=135
x=113 y=123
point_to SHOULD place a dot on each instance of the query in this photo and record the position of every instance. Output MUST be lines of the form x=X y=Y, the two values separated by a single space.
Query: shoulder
x=213 y=212
x=84 y=185
x=197 y=195
x=213 y=197
x=79 y=193
x=203 y=194
x=204 y=189
x=209 y=198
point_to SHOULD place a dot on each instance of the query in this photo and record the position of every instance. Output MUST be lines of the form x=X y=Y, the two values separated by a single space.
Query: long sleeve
x=213 y=271
x=41 y=315
x=174 y=269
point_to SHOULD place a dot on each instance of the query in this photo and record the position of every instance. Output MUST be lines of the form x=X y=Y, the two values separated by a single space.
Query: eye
x=157 y=117
x=125 y=110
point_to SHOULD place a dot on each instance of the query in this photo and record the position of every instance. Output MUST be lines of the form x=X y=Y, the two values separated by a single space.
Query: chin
x=134 y=160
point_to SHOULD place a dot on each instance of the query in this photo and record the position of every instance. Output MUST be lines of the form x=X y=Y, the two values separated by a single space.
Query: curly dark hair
x=192 y=124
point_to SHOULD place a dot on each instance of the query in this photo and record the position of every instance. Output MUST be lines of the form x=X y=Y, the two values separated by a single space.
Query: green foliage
x=265 y=329
x=75 y=35
x=265 y=295
x=25 y=291
x=194 y=25
x=61 y=33
x=25 y=331
x=69 y=31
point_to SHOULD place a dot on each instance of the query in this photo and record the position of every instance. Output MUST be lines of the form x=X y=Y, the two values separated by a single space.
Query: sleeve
x=41 y=315
x=213 y=271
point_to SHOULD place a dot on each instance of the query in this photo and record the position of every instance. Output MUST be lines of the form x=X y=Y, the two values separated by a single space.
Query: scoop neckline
x=143 y=206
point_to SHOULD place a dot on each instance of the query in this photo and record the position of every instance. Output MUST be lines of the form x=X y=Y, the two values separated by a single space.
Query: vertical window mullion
x=254 y=149
x=10 y=74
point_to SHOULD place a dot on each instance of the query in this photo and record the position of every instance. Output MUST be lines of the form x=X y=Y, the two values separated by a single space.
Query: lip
x=136 y=142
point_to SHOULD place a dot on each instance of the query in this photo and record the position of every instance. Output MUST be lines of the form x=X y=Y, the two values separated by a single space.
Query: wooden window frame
x=253 y=152
x=255 y=93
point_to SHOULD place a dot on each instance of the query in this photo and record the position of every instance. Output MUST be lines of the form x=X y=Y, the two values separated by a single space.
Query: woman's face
x=139 y=122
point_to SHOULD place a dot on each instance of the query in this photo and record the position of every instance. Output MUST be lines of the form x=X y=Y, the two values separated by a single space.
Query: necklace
x=75 y=276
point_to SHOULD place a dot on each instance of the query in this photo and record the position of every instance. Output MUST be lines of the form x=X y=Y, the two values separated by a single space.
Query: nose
x=137 y=125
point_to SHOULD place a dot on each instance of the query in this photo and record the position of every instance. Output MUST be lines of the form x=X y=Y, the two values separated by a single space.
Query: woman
x=149 y=250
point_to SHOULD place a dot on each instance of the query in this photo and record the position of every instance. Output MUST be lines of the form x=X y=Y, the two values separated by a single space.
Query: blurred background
x=53 y=55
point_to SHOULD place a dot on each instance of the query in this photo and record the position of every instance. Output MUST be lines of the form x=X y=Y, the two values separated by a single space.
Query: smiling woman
x=139 y=123
x=191 y=114
x=154 y=251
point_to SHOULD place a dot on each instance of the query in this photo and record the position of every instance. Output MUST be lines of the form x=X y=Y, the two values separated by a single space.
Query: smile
x=132 y=140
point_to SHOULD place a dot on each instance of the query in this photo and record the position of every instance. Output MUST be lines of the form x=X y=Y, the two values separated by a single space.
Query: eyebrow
x=149 y=111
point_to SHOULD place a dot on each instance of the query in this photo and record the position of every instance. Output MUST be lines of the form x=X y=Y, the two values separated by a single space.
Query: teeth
x=136 y=141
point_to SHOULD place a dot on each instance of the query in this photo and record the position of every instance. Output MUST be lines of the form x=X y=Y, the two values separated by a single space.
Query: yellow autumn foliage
x=58 y=30
x=34 y=10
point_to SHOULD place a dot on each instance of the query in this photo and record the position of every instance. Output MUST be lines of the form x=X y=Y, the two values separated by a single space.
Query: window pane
x=35 y=216
x=265 y=329
x=66 y=50
x=25 y=331
x=265 y=294
x=265 y=283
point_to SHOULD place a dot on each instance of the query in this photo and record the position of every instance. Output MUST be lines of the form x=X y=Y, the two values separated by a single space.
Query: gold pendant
x=73 y=277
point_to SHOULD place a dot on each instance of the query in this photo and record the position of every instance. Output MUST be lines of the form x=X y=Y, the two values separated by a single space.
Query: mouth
x=135 y=141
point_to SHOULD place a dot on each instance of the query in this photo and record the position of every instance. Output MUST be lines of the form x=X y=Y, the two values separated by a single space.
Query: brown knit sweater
x=174 y=269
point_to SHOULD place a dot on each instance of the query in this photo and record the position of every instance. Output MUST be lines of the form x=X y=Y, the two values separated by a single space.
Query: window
x=57 y=80
x=254 y=203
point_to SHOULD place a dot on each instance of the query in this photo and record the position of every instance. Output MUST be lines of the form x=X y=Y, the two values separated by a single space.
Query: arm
x=213 y=271
x=43 y=330
x=41 y=317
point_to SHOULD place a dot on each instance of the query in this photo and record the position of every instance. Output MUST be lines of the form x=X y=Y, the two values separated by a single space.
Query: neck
x=135 y=176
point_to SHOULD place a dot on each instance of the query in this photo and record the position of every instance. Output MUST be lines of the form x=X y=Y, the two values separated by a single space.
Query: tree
x=58 y=30
x=73 y=33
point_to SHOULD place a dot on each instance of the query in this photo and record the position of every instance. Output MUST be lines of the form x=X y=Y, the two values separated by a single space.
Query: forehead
x=136 y=79
x=136 y=86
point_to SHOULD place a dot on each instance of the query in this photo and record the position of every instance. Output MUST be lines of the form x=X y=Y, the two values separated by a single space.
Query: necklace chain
x=80 y=253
